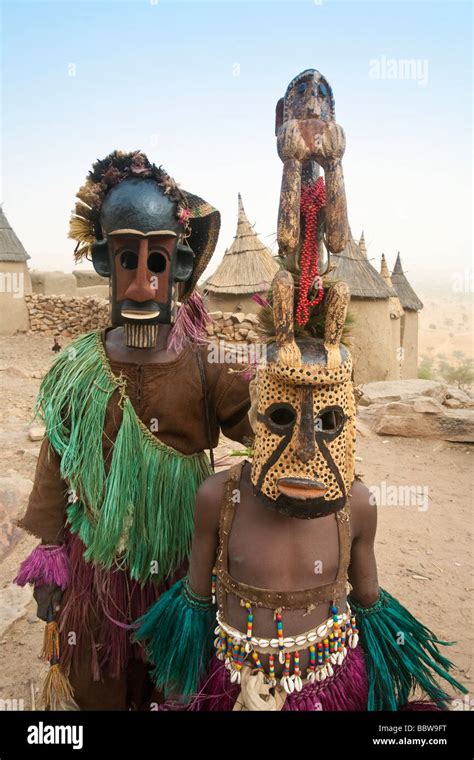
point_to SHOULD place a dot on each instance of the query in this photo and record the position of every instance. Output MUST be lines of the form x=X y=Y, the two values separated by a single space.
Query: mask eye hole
x=156 y=262
x=129 y=259
x=280 y=417
x=330 y=420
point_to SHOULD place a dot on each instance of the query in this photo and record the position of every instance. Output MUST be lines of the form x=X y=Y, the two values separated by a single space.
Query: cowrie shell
x=329 y=669
x=248 y=647
x=289 y=642
x=333 y=658
x=274 y=643
x=281 y=658
x=263 y=642
x=354 y=640
x=298 y=683
x=218 y=630
x=330 y=623
x=288 y=685
x=235 y=676
x=300 y=640
x=322 y=674
x=311 y=676
x=340 y=658
x=312 y=637
x=322 y=630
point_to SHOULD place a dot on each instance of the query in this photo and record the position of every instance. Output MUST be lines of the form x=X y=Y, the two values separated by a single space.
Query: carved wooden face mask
x=303 y=462
x=144 y=255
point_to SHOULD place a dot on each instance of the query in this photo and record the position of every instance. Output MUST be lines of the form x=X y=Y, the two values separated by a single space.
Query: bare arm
x=363 y=567
x=206 y=531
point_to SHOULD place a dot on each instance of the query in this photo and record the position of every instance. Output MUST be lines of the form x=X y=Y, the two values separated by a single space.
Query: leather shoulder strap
x=205 y=394
x=226 y=516
x=289 y=600
x=344 y=534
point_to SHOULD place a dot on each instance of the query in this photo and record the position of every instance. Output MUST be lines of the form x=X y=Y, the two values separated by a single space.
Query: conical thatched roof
x=408 y=298
x=362 y=244
x=353 y=267
x=396 y=310
x=247 y=267
x=10 y=247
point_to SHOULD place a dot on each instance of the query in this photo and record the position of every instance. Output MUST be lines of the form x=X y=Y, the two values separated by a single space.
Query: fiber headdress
x=200 y=220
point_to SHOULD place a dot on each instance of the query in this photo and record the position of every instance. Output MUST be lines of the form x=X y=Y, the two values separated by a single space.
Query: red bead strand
x=313 y=199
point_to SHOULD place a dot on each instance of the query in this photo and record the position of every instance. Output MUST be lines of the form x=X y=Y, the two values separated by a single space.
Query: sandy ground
x=424 y=555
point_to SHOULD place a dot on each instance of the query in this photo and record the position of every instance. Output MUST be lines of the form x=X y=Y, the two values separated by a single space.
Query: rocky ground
x=424 y=539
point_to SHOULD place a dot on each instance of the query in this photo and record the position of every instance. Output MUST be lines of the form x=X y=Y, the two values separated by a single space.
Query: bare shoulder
x=213 y=487
x=363 y=511
x=209 y=499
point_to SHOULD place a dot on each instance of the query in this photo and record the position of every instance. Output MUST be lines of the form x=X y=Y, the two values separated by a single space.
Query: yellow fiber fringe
x=50 y=642
x=57 y=691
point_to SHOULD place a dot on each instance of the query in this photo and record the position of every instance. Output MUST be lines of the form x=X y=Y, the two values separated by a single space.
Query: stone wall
x=70 y=316
x=234 y=327
x=66 y=316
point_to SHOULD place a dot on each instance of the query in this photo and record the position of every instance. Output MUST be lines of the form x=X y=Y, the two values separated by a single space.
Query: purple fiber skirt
x=346 y=690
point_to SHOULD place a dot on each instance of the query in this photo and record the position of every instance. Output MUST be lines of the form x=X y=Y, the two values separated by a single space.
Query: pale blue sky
x=194 y=85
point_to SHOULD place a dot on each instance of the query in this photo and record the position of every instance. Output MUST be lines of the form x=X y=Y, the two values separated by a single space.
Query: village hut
x=371 y=339
x=411 y=305
x=14 y=280
x=396 y=314
x=247 y=268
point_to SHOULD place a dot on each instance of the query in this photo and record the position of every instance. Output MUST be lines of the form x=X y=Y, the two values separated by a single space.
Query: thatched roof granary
x=11 y=249
x=411 y=305
x=371 y=331
x=396 y=310
x=352 y=266
x=248 y=267
x=408 y=298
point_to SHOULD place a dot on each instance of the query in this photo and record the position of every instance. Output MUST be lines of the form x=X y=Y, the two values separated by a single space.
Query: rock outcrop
x=418 y=409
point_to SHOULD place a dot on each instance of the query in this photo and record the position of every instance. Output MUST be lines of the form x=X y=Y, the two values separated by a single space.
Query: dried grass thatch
x=353 y=267
x=11 y=249
x=247 y=267
x=408 y=298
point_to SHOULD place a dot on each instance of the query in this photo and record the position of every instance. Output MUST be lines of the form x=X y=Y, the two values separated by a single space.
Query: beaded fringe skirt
x=346 y=690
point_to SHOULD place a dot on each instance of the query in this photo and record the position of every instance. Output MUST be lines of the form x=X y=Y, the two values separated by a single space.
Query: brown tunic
x=168 y=397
